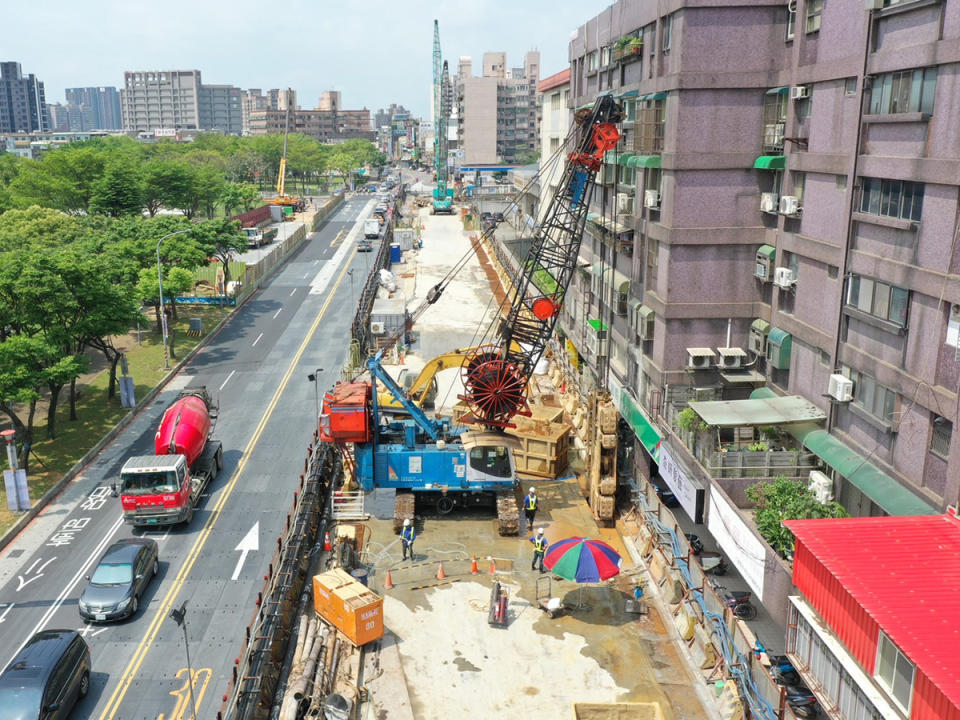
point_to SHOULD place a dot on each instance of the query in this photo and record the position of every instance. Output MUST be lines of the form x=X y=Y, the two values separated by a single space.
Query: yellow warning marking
x=183 y=705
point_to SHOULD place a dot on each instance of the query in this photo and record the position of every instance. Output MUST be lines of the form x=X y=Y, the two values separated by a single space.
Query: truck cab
x=156 y=490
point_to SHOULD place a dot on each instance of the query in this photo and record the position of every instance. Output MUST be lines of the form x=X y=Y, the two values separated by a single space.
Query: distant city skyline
x=375 y=53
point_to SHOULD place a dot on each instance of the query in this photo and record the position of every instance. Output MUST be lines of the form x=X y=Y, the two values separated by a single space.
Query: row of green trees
x=69 y=283
x=118 y=176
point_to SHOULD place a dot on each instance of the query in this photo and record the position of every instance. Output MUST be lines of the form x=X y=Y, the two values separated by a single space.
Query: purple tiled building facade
x=781 y=218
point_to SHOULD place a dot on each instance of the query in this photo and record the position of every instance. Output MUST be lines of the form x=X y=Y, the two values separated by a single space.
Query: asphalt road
x=258 y=365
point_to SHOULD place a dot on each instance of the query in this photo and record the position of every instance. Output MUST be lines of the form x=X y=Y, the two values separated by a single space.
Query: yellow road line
x=336 y=240
x=140 y=653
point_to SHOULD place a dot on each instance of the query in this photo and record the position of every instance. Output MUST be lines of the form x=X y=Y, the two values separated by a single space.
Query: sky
x=376 y=52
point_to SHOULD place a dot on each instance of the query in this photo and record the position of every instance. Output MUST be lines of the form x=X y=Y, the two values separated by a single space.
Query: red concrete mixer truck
x=164 y=488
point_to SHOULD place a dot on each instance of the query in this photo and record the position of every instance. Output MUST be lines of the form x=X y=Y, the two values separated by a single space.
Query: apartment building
x=553 y=95
x=94 y=108
x=23 y=105
x=178 y=100
x=254 y=99
x=331 y=124
x=778 y=229
x=497 y=112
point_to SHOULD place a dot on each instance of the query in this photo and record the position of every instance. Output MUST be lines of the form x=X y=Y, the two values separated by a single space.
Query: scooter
x=739 y=602
x=713 y=563
x=799 y=697
x=696 y=544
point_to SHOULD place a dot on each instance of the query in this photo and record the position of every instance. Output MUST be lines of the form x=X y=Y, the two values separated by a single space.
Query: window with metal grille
x=774 y=120
x=940 y=437
x=904 y=91
x=894 y=672
x=876 y=399
x=879 y=299
x=650 y=127
x=666 y=33
x=892 y=198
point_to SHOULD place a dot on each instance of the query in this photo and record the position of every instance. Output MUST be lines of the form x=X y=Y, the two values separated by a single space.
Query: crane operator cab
x=490 y=456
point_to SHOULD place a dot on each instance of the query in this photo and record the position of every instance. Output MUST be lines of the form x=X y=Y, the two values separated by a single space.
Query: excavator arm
x=419 y=390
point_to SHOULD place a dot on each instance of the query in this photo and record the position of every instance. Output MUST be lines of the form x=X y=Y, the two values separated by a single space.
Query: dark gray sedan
x=121 y=576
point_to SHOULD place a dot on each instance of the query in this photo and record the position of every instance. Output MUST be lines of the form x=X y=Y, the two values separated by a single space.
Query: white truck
x=371 y=228
x=259 y=236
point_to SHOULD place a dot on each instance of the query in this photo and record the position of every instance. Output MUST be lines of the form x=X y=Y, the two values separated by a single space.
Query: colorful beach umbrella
x=582 y=560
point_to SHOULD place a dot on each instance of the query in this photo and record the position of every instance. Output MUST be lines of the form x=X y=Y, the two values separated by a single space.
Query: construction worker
x=407 y=536
x=530 y=507
x=539 y=549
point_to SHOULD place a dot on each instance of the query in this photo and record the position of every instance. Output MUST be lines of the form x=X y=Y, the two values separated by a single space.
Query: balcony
x=629 y=51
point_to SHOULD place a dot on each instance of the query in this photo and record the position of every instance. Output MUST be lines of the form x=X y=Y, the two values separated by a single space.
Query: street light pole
x=163 y=315
x=350 y=273
x=179 y=616
x=314 y=377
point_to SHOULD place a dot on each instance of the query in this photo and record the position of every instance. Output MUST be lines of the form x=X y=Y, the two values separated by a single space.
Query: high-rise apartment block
x=94 y=108
x=497 y=111
x=23 y=107
x=267 y=114
x=176 y=99
x=778 y=229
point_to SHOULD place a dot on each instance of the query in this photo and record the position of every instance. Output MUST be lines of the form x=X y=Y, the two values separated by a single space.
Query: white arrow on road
x=3 y=615
x=251 y=541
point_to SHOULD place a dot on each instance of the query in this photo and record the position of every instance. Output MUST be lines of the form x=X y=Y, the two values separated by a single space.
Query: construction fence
x=721 y=645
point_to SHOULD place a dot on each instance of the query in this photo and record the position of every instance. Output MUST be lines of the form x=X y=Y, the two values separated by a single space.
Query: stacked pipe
x=301 y=681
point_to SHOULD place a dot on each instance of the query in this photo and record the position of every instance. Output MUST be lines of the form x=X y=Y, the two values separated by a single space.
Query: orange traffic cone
x=493 y=566
x=388 y=583
x=440 y=573
x=326 y=542
x=474 y=570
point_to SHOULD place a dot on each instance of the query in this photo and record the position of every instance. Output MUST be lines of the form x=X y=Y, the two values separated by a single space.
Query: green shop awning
x=629 y=94
x=892 y=497
x=639 y=423
x=770 y=162
x=646 y=161
x=625 y=159
x=779 y=90
x=655 y=96
x=597 y=324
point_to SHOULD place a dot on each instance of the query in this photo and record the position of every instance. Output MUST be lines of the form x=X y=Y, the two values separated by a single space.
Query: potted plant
x=634 y=46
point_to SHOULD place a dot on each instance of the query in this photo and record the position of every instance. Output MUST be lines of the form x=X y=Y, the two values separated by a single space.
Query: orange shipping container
x=348 y=605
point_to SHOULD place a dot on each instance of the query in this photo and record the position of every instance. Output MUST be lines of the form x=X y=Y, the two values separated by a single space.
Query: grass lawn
x=96 y=414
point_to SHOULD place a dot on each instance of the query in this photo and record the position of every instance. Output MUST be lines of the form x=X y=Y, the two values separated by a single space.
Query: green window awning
x=767 y=251
x=629 y=94
x=654 y=96
x=645 y=312
x=770 y=162
x=625 y=159
x=597 y=324
x=646 y=161
x=761 y=326
x=885 y=492
x=779 y=90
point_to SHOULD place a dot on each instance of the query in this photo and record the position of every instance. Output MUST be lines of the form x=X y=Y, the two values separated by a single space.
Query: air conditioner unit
x=821 y=485
x=763 y=269
x=376 y=327
x=731 y=358
x=769 y=202
x=624 y=204
x=840 y=388
x=699 y=358
x=651 y=199
x=799 y=92
x=789 y=205
x=759 y=330
x=784 y=277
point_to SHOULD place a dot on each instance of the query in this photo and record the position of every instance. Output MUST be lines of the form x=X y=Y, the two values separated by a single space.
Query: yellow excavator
x=422 y=389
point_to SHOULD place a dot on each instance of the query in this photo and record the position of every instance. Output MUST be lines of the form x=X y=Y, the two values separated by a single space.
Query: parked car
x=46 y=678
x=121 y=576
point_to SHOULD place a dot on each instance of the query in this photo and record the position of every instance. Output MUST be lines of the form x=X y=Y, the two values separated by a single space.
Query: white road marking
x=3 y=615
x=277 y=313
x=257 y=340
x=55 y=605
x=228 y=379
x=251 y=541
x=292 y=292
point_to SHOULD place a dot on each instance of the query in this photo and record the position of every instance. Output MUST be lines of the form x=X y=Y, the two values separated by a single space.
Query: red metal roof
x=555 y=80
x=905 y=573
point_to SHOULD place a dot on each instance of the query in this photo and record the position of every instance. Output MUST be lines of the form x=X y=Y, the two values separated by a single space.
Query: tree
x=63 y=179
x=238 y=195
x=165 y=184
x=785 y=499
x=341 y=164
x=119 y=191
x=221 y=239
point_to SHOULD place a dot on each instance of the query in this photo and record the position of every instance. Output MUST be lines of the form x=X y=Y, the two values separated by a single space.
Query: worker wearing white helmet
x=530 y=507
x=539 y=549
x=407 y=536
